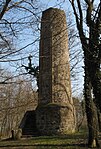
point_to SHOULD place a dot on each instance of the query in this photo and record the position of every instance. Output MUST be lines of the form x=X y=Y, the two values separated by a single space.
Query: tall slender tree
x=92 y=58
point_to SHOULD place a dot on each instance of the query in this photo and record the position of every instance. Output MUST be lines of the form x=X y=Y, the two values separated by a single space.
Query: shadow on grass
x=46 y=145
x=74 y=141
x=70 y=137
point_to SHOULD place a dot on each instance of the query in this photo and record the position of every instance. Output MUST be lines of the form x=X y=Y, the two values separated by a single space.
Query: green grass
x=74 y=141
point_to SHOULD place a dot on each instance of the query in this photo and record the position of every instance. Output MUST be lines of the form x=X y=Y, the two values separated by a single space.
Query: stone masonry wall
x=54 y=81
x=55 y=119
x=55 y=112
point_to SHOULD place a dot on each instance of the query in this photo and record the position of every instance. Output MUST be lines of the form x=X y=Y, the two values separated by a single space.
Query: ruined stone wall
x=55 y=119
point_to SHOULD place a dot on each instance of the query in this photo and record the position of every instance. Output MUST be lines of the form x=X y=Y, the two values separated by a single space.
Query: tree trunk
x=95 y=60
x=96 y=83
x=91 y=113
x=92 y=56
x=99 y=119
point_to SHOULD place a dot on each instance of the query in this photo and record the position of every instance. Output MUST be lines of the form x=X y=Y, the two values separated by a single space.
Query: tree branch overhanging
x=4 y=8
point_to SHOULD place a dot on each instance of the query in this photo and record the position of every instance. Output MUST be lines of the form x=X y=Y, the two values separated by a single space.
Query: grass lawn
x=74 y=141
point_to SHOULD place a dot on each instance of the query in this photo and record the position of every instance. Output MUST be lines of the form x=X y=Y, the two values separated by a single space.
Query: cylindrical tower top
x=54 y=78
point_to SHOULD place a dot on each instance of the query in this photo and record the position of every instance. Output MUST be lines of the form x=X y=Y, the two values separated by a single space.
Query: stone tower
x=55 y=113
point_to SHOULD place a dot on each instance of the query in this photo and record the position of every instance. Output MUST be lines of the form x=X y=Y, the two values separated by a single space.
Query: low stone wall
x=54 y=119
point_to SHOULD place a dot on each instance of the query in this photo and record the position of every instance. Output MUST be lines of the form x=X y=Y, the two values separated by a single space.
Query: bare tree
x=15 y=99
x=92 y=57
x=19 y=35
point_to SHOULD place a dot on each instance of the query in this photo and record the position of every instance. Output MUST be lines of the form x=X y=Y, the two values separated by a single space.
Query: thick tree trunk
x=95 y=61
x=91 y=113
x=99 y=119
x=96 y=83
x=92 y=72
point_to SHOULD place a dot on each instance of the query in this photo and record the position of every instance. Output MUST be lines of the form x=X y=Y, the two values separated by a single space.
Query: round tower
x=55 y=111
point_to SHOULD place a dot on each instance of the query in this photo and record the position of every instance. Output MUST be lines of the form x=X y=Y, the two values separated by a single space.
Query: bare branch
x=13 y=52
x=15 y=5
x=80 y=12
x=79 y=26
x=4 y=8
